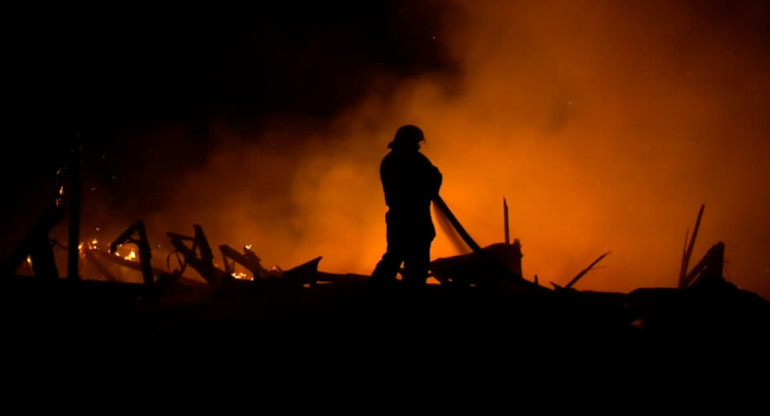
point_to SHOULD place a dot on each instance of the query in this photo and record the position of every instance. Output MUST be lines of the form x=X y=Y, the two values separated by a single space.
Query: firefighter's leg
x=387 y=268
x=416 y=263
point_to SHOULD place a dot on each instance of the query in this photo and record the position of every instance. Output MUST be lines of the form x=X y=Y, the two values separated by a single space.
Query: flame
x=247 y=246
x=131 y=255
x=242 y=276
x=600 y=132
x=60 y=198
x=29 y=261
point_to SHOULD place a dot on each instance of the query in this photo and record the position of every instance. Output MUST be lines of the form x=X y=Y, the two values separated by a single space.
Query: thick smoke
x=607 y=124
x=604 y=124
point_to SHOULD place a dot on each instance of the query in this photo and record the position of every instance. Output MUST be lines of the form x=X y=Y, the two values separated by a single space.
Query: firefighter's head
x=408 y=136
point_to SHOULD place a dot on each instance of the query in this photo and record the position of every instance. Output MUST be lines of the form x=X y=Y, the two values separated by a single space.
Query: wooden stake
x=688 y=252
x=505 y=222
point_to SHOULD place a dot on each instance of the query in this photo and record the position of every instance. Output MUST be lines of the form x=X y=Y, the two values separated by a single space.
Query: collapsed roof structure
x=486 y=285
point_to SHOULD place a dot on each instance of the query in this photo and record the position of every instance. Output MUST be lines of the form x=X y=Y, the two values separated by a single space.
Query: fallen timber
x=482 y=296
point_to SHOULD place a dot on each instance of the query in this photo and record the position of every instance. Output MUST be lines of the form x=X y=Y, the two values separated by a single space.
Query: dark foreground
x=351 y=319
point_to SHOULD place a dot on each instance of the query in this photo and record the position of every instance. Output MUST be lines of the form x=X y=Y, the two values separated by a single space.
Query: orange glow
x=131 y=255
x=242 y=276
x=604 y=124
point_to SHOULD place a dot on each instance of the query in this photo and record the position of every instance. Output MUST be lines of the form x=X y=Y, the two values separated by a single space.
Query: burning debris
x=36 y=247
x=497 y=266
x=198 y=256
x=249 y=260
x=242 y=288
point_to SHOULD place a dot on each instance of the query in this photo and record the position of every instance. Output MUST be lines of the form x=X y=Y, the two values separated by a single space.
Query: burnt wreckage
x=482 y=293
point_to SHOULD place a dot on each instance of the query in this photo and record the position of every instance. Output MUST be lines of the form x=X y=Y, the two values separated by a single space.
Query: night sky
x=604 y=123
x=111 y=78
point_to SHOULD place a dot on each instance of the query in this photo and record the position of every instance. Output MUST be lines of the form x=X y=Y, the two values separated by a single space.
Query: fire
x=131 y=255
x=29 y=261
x=60 y=198
x=586 y=133
x=242 y=276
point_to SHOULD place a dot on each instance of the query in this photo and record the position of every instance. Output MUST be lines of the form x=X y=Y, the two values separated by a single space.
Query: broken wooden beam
x=688 y=252
x=36 y=244
x=91 y=259
x=145 y=253
x=304 y=273
x=709 y=268
x=586 y=270
x=120 y=261
x=204 y=264
x=506 y=228
x=248 y=259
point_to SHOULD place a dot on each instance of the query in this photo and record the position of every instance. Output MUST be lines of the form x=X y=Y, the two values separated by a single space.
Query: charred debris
x=482 y=294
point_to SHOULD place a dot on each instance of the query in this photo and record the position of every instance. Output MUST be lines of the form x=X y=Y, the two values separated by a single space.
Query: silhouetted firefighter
x=410 y=182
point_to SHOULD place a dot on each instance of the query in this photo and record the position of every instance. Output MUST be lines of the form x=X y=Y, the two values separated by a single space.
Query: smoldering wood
x=166 y=283
x=143 y=245
x=204 y=264
x=282 y=311
x=287 y=314
x=91 y=257
x=120 y=261
x=304 y=273
x=37 y=244
x=247 y=259
x=42 y=257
